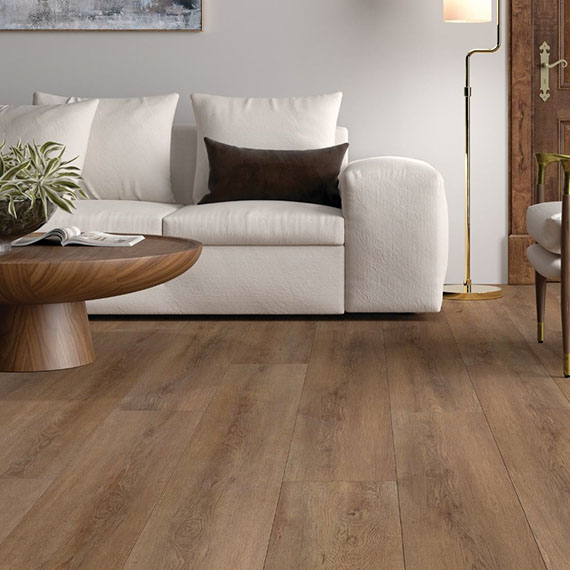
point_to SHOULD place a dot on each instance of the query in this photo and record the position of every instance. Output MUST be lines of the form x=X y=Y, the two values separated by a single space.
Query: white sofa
x=385 y=251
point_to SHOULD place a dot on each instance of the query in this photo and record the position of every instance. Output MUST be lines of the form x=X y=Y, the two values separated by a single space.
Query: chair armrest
x=396 y=235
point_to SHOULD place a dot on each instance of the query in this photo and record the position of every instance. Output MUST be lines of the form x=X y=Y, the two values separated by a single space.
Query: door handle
x=545 y=67
x=561 y=62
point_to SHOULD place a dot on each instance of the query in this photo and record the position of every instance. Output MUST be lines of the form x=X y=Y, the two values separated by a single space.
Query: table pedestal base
x=44 y=337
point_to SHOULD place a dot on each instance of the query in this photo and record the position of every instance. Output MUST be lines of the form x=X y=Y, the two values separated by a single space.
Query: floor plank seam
x=289 y=450
x=493 y=433
x=394 y=447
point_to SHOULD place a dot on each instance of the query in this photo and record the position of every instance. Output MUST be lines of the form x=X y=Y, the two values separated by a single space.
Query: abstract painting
x=101 y=15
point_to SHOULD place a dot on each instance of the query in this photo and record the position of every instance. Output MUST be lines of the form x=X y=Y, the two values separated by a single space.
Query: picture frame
x=101 y=15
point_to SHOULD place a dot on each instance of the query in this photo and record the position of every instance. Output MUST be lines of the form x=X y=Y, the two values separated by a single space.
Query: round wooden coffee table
x=43 y=289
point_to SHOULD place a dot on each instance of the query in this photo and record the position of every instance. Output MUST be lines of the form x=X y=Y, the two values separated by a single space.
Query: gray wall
x=399 y=66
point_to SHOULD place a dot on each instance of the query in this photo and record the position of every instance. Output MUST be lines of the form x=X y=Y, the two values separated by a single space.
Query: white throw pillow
x=129 y=147
x=296 y=123
x=69 y=125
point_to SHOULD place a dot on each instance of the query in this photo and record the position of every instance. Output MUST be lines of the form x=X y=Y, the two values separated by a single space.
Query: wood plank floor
x=362 y=442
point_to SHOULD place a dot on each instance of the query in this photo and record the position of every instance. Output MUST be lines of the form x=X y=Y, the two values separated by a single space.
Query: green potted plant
x=34 y=181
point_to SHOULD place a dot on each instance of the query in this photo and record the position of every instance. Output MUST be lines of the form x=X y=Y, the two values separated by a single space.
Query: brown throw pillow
x=293 y=175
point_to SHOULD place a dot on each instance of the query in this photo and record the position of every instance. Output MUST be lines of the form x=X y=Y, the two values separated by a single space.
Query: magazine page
x=72 y=235
x=69 y=232
x=104 y=239
x=57 y=234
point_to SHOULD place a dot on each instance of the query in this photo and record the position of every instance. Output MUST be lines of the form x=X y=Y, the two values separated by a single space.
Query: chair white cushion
x=544 y=225
x=69 y=125
x=258 y=223
x=548 y=264
x=296 y=123
x=121 y=216
x=129 y=149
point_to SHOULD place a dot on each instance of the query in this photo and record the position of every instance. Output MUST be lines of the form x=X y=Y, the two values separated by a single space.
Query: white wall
x=399 y=66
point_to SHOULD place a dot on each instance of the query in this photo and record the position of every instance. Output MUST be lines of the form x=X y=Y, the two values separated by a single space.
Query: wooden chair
x=548 y=223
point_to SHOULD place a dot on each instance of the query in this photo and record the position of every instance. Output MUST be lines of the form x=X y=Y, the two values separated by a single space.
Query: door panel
x=536 y=125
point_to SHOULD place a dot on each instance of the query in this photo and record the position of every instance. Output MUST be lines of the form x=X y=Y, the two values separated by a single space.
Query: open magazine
x=72 y=235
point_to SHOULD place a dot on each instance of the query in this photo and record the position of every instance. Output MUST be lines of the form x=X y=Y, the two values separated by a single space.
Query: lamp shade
x=467 y=11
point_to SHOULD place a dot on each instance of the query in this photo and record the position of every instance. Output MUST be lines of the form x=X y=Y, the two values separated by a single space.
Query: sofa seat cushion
x=252 y=222
x=120 y=216
x=544 y=225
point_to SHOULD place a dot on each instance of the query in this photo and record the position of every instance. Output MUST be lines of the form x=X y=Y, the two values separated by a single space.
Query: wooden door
x=537 y=125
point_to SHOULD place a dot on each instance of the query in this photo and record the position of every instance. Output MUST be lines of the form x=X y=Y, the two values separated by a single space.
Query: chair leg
x=565 y=277
x=540 y=286
x=565 y=285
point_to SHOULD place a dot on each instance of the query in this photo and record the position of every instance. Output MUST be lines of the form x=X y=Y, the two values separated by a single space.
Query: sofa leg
x=540 y=286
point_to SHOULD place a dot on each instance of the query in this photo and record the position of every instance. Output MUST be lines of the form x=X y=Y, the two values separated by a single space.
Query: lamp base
x=475 y=293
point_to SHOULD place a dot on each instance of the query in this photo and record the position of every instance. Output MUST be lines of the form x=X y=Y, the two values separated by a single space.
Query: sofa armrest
x=396 y=235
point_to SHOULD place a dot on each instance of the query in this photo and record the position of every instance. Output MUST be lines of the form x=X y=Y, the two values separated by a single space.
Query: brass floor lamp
x=471 y=11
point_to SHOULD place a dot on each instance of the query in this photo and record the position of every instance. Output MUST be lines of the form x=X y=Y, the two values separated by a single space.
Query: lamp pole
x=468 y=291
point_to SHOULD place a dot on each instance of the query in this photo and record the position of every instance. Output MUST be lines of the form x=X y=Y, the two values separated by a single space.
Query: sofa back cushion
x=69 y=125
x=129 y=147
x=183 y=157
x=286 y=123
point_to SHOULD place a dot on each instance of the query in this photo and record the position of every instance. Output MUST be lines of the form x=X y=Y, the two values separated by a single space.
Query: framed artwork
x=181 y=15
